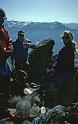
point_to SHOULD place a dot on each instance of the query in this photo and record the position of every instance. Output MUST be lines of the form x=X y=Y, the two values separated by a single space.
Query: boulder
x=40 y=58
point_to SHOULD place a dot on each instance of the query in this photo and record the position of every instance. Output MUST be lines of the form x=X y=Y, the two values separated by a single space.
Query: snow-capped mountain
x=72 y=25
x=36 y=31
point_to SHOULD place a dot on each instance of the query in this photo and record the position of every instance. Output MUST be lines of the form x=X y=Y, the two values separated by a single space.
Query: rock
x=40 y=58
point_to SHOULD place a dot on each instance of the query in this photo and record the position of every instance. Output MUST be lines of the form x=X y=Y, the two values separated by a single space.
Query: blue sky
x=41 y=10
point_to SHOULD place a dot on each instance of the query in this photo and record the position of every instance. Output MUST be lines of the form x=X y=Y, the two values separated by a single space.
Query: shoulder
x=62 y=50
x=14 y=44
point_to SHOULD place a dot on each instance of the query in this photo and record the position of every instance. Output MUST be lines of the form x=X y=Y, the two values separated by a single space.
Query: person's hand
x=27 y=45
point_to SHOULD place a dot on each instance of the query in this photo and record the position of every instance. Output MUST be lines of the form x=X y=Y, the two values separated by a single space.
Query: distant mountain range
x=36 y=31
x=72 y=25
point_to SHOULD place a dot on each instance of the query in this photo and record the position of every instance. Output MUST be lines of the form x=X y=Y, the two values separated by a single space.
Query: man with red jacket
x=6 y=49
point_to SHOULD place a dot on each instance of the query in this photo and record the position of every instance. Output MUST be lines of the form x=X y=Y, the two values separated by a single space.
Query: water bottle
x=43 y=109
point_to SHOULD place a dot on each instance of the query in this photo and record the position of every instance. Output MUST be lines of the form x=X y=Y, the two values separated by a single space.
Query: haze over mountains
x=36 y=31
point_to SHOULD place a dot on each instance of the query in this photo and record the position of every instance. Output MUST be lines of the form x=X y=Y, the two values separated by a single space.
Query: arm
x=5 y=52
x=29 y=45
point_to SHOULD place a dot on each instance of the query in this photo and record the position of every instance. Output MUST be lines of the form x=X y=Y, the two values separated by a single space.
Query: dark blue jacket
x=20 y=53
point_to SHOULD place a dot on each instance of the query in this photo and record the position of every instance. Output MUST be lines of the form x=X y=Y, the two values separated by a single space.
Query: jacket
x=20 y=53
x=65 y=61
x=6 y=48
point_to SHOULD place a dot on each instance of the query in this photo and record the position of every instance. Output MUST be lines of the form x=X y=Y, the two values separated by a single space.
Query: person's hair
x=2 y=13
x=68 y=34
x=74 y=45
x=20 y=32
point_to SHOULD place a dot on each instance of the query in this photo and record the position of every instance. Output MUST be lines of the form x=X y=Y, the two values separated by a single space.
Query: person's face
x=21 y=36
x=65 y=39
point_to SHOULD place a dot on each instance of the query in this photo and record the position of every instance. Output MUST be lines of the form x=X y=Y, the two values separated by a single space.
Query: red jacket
x=6 y=46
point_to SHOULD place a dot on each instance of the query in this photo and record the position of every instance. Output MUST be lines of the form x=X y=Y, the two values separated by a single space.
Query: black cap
x=20 y=32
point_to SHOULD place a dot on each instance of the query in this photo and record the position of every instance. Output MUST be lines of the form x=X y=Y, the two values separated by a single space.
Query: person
x=23 y=114
x=63 y=68
x=18 y=83
x=64 y=65
x=20 y=53
x=6 y=48
x=25 y=106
